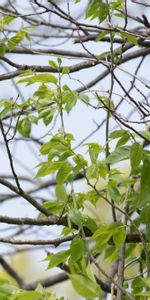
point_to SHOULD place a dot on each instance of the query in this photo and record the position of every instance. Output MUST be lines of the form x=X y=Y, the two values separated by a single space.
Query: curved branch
x=24 y=195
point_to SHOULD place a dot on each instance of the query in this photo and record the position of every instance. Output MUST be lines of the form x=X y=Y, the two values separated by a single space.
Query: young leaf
x=136 y=155
x=63 y=173
x=42 y=78
x=130 y=37
x=61 y=193
x=48 y=168
x=123 y=140
x=114 y=193
x=92 y=171
x=90 y=224
x=30 y=295
x=119 y=236
x=54 y=207
x=101 y=242
x=84 y=286
x=100 y=231
x=75 y=216
x=146 y=134
x=101 y=35
x=53 y=64
x=65 y=70
x=76 y=248
x=84 y=98
x=117 y=134
x=24 y=127
x=145 y=181
x=71 y=100
x=119 y=154
x=58 y=258
x=97 y=9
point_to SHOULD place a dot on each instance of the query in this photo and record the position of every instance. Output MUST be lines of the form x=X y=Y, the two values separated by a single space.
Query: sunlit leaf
x=119 y=154
x=136 y=155
x=84 y=286
x=42 y=78
x=58 y=258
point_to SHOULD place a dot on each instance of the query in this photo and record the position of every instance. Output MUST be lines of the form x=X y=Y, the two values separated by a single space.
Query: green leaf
x=71 y=101
x=7 y=289
x=59 y=60
x=66 y=231
x=84 y=286
x=108 y=228
x=130 y=37
x=106 y=232
x=80 y=162
x=117 y=134
x=148 y=232
x=113 y=193
x=48 y=168
x=58 y=258
x=30 y=295
x=75 y=216
x=3 y=281
x=136 y=155
x=92 y=196
x=84 y=98
x=145 y=181
x=146 y=134
x=101 y=35
x=119 y=15
x=138 y=285
x=61 y=193
x=44 y=92
x=65 y=70
x=46 y=294
x=24 y=127
x=100 y=56
x=53 y=64
x=53 y=148
x=94 y=150
x=103 y=11
x=2 y=49
x=119 y=236
x=101 y=242
x=123 y=140
x=111 y=253
x=97 y=9
x=18 y=38
x=76 y=248
x=100 y=231
x=8 y=19
x=144 y=294
x=92 y=171
x=42 y=78
x=47 y=114
x=90 y=224
x=63 y=173
x=54 y=207
x=119 y=154
x=145 y=215
x=33 y=119
x=5 y=111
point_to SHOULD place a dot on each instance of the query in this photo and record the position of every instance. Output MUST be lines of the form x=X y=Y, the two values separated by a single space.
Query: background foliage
x=48 y=206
